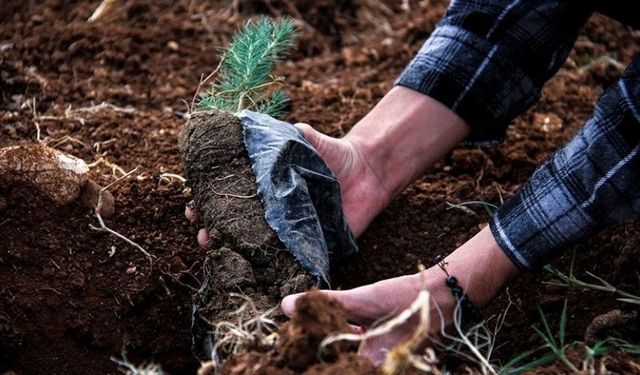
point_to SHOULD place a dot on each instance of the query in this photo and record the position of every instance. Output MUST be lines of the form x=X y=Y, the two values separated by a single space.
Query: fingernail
x=288 y=304
x=203 y=238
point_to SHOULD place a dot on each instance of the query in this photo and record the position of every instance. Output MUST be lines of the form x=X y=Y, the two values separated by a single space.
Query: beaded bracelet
x=469 y=311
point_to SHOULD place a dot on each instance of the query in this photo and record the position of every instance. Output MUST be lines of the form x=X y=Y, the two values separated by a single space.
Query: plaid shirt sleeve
x=591 y=182
x=488 y=60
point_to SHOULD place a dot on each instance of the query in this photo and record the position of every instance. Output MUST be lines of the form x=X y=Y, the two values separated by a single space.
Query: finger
x=288 y=304
x=191 y=214
x=356 y=329
x=203 y=238
x=376 y=348
x=310 y=134
x=346 y=298
x=304 y=128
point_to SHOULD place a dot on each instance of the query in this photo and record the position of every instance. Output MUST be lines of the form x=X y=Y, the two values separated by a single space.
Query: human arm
x=480 y=266
x=591 y=182
x=484 y=64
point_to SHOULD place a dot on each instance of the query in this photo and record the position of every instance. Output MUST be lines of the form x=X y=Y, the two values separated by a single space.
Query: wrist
x=404 y=134
x=481 y=267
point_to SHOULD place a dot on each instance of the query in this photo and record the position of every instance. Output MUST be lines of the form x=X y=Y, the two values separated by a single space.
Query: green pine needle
x=244 y=78
x=275 y=105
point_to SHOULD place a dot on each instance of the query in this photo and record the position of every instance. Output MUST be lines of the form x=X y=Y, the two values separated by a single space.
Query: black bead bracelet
x=469 y=311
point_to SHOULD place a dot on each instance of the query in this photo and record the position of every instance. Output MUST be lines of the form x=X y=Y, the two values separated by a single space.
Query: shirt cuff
x=542 y=219
x=474 y=78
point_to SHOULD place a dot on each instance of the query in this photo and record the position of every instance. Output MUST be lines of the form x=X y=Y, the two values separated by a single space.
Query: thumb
x=310 y=134
x=333 y=151
x=288 y=304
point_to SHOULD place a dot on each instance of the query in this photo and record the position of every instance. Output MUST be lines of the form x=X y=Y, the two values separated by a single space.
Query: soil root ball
x=60 y=177
x=316 y=317
x=250 y=259
x=222 y=181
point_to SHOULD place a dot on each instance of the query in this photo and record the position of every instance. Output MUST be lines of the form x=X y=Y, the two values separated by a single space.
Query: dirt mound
x=58 y=275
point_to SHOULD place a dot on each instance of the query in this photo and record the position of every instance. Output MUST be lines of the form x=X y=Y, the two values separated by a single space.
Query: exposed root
x=229 y=195
x=476 y=339
x=131 y=369
x=172 y=176
x=402 y=356
x=62 y=140
x=102 y=10
x=103 y=226
x=234 y=337
x=103 y=106
x=114 y=167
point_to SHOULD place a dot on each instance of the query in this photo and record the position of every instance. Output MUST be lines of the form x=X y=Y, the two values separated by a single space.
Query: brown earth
x=71 y=297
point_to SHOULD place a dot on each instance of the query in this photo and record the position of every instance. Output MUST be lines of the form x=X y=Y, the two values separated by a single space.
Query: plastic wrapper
x=301 y=195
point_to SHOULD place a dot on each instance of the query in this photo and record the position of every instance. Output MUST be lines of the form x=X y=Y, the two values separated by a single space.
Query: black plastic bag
x=301 y=195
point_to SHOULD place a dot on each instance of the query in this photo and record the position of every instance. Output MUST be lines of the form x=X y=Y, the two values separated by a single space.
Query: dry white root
x=102 y=10
x=131 y=369
x=404 y=355
x=250 y=326
x=61 y=177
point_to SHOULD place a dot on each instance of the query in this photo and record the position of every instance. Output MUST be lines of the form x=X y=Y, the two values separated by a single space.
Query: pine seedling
x=245 y=79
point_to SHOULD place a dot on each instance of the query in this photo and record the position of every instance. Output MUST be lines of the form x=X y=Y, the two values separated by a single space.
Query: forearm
x=490 y=71
x=481 y=267
x=482 y=270
x=591 y=182
x=405 y=134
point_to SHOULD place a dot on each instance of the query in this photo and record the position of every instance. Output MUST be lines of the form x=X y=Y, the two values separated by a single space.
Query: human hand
x=364 y=194
x=367 y=305
x=480 y=266
x=404 y=134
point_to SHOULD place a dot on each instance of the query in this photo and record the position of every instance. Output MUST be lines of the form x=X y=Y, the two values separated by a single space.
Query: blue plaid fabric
x=488 y=61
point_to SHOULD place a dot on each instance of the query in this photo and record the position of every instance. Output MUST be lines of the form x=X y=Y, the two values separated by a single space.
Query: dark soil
x=66 y=305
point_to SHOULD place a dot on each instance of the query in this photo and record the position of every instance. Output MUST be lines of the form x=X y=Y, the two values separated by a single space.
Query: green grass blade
x=563 y=324
x=547 y=335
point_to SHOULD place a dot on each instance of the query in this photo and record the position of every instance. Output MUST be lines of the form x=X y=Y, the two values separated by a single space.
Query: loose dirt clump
x=58 y=176
x=297 y=349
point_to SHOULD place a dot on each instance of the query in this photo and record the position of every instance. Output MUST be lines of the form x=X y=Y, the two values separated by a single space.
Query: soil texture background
x=115 y=92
